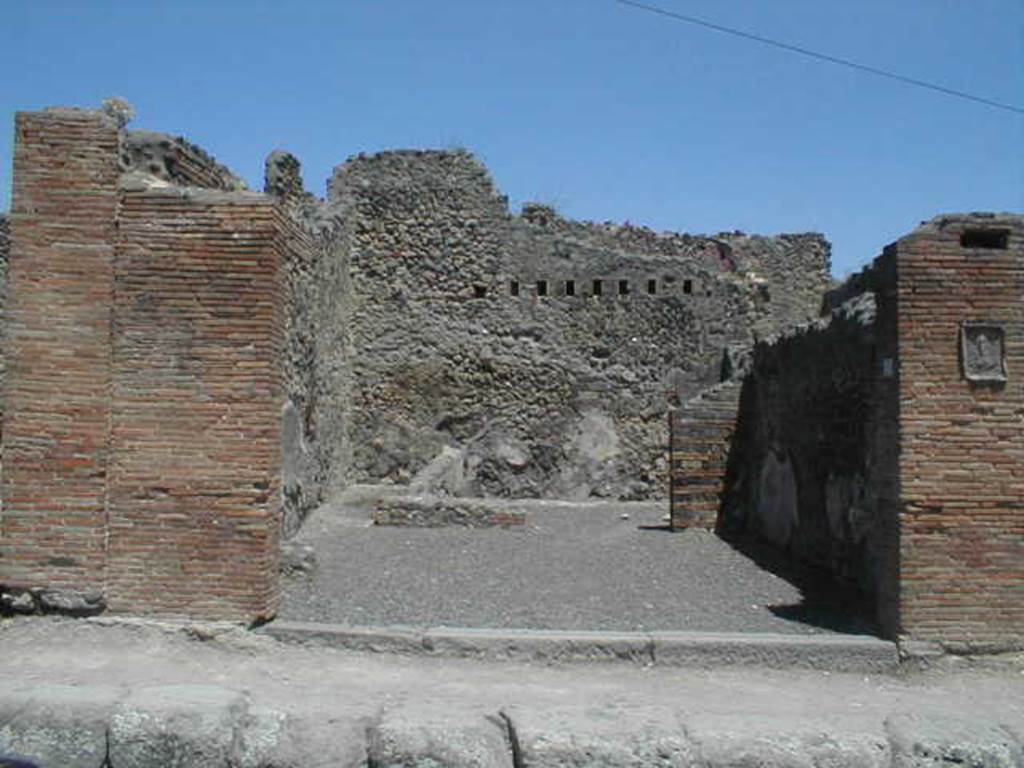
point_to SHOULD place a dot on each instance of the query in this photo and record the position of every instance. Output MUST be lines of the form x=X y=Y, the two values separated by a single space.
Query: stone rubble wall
x=796 y=266
x=316 y=445
x=428 y=511
x=812 y=464
x=887 y=443
x=481 y=330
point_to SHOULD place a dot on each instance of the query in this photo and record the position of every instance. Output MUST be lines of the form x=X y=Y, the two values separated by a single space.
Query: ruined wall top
x=176 y=161
x=394 y=178
x=401 y=180
x=723 y=249
x=988 y=231
x=977 y=221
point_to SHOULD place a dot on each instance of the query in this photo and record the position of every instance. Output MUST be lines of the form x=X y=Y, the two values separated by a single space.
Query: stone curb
x=842 y=653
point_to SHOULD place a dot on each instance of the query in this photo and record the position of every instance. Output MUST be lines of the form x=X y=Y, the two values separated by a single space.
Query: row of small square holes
x=596 y=288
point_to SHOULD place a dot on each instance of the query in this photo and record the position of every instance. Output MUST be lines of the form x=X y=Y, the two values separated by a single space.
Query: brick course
x=701 y=433
x=56 y=420
x=141 y=454
x=195 y=428
x=935 y=527
x=962 y=442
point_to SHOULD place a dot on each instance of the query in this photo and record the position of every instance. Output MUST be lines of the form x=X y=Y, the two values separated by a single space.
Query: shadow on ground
x=606 y=566
x=824 y=603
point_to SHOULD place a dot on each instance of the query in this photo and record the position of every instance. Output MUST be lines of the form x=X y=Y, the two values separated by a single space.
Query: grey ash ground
x=572 y=566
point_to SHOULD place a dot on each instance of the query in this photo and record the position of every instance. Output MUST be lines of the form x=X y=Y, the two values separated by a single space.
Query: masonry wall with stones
x=886 y=441
x=531 y=355
x=812 y=466
x=316 y=445
x=145 y=336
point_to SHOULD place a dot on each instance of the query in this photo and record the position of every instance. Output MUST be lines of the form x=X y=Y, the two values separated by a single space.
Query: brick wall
x=890 y=447
x=5 y=252
x=141 y=444
x=701 y=433
x=194 y=495
x=962 y=440
x=57 y=413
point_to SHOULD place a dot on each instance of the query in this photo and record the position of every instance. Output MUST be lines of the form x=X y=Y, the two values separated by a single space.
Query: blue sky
x=605 y=111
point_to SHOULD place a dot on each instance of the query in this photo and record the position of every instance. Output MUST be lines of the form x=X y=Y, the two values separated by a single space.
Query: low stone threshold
x=700 y=650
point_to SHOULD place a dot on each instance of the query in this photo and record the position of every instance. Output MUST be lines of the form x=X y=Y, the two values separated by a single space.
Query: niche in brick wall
x=983 y=352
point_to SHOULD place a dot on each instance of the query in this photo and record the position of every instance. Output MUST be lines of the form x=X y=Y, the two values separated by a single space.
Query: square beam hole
x=992 y=239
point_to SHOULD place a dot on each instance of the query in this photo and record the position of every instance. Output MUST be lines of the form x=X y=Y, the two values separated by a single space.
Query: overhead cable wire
x=821 y=56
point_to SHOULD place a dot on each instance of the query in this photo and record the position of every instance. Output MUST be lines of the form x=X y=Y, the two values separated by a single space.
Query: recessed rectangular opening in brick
x=479 y=291
x=992 y=239
x=596 y=288
x=513 y=288
x=652 y=286
x=687 y=287
x=623 y=287
x=542 y=287
x=570 y=287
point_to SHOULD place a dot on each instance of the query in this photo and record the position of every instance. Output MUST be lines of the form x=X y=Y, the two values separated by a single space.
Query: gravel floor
x=572 y=566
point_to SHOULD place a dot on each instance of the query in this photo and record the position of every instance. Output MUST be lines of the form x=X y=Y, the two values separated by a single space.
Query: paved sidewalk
x=570 y=567
x=144 y=694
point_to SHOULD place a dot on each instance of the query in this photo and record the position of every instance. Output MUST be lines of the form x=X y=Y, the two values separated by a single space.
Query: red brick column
x=55 y=446
x=195 y=476
x=141 y=440
x=962 y=431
